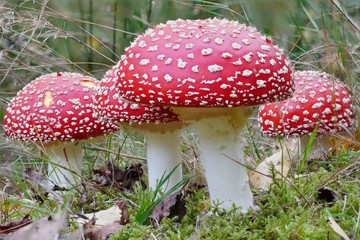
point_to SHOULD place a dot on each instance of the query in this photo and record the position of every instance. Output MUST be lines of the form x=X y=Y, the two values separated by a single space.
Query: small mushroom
x=209 y=71
x=160 y=125
x=320 y=102
x=54 y=111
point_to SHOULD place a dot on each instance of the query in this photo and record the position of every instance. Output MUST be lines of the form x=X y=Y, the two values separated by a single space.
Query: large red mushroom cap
x=210 y=63
x=110 y=107
x=55 y=107
x=319 y=100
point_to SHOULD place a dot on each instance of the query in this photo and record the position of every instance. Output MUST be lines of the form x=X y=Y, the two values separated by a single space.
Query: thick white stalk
x=220 y=147
x=163 y=155
x=65 y=164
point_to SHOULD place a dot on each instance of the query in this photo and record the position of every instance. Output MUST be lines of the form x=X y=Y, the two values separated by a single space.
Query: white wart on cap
x=320 y=100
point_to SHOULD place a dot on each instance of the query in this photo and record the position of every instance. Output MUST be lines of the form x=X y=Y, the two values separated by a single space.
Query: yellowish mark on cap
x=48 y=99
x=88 y=83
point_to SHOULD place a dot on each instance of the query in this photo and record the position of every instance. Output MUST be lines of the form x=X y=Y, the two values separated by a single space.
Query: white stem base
x=163 y=155
x=320 y=146
x=65 y=164
x=220 y=147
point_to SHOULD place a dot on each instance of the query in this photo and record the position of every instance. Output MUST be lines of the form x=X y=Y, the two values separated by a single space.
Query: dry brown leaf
x=93 y=232
x=170 y=206
x=14 y=225
x=46 y=227
x=103 y=223
x=117 y=178
x=125 y=217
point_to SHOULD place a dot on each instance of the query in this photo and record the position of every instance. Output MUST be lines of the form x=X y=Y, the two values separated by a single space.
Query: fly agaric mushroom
x=160 y=125
x=320 y=101
x=208 y=71
x=55 y=112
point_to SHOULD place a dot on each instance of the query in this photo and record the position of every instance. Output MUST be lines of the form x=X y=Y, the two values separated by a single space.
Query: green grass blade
x=307 y=149
x=154 y=199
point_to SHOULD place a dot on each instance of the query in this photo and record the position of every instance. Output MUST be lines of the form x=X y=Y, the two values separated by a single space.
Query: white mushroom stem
x=318 y=148
x=65 y=164
x=223 y=161
x=163 y=155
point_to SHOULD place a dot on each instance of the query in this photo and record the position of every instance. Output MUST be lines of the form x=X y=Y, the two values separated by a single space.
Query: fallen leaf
x=31 y=174
x=133 y=173
x=337 y=228
x=109 y=174
x=171 y=206
x=93 y=232
x=118 y=213
x=112 y=175
x=125 y=217
x=345 y=143
x=102 y=224
x=14 y=225
x=38 y=183
x=47 y=227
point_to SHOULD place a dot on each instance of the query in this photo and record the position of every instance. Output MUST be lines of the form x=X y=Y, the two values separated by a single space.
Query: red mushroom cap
x=319 y=99
x=211 y=63
x=55 y=107
x=110 y=107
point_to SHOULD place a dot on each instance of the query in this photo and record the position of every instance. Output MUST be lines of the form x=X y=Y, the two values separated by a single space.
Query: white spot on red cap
x=236 y=45
x=144 y=62
x=181 y=63
x=237 y=62
x=215 y=68
x=190 y=55
x=248 y=57
x=168 y=78
x=153 y=48
x=219 y=41
x=226 y=55
x=266 y=48
x=189 y=46
x=168 y=61
x=261 y=83
x=206 y=51
x=247 y=73
x=195 y=68
x=161 y=57
x=246 y=41
x=207 y=40
x=154 y=68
